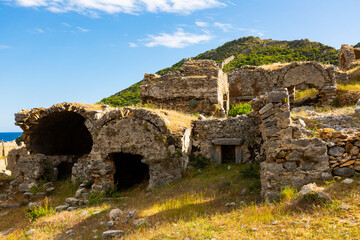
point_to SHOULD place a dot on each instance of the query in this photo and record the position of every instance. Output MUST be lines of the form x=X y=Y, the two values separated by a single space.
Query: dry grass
x=274 y=66
x=308 y=93
x=194 y=207
x=178 y=120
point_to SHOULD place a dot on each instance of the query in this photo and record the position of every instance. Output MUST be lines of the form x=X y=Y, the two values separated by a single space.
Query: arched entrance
x=61 y=133
x=129 y=170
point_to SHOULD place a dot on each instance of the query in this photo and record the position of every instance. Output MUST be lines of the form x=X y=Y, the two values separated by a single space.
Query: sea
x=9 y=136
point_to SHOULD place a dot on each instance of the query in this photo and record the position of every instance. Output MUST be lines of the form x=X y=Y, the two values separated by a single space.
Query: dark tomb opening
x=64 y=170
x=228 y=154
x=129 y=170
x=61 y=133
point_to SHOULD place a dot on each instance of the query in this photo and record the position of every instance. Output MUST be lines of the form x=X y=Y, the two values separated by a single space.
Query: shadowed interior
x=129 y=170
x=62 y=133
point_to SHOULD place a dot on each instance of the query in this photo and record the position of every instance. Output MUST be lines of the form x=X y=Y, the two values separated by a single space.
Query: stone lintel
x=228 y=141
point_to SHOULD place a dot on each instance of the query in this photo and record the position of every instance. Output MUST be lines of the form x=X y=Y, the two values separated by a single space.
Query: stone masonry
x=292 y=158
x=97 y=134
x=197 y=86
x=248 y=82
x=210 y=136
x=349 y=57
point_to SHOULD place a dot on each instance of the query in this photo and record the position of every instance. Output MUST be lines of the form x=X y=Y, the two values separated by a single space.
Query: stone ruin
x=101 y=147
x=349 y=57
x=104 y=147
x=248 y=82
x=197 y=86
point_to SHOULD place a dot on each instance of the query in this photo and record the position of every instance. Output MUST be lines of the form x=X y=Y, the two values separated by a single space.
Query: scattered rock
x=4 y=213
x=3 y=196
x=109 y=224
x=112 y=233
x=348 y=181
x=114 y=213
x=48 y=185
x=345 y=207
x=140 y=223
x=311 y=192
x=131 y=214
x=62 y=207
x=72 y=201
x=6 y=232
x=254 y=229
x=32 y=204
x=69 y=232
x=31 y=231
x=71 y=208
x=28 y=195
x=244 y=191
x=275 y=223
x=230 y=204
x=84 y=212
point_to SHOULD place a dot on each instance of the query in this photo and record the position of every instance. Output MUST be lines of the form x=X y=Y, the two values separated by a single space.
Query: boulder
x=112 y=233
x=115 y=213
x=344 y=172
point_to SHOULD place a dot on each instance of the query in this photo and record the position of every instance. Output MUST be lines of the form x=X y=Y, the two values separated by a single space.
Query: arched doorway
x=129 y=170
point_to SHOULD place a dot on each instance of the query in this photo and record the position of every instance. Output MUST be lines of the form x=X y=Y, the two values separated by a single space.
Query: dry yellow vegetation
x=194 y=208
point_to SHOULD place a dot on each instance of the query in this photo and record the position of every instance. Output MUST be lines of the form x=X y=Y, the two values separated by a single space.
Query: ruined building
x=349 y=57
x=106 y=147
x=197 y=86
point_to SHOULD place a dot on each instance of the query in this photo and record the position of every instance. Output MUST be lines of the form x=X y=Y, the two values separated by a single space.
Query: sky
x=54 y=51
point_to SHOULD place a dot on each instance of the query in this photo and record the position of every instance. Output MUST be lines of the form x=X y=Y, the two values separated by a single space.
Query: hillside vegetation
x=247 y=51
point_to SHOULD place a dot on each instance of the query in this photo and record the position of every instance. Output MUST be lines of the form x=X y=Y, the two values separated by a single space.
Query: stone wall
x=96 y=134
x=242 y=132
x=250 y=81
x=197 y=86
x=349 y=57
x=343 y=149
x=292 y=158
x=6 y=147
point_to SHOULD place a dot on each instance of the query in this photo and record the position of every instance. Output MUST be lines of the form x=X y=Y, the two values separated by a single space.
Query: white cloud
x=39 y=30
x=257 y=32
x=132 y=44
x=201 y=24
x=66 y=25
x=4 y=47
x=94 y=7
x=82 y=29
x=224 y=26
x=178 y=39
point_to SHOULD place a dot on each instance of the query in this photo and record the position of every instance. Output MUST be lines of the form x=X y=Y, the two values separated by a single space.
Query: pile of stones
x=343 y=149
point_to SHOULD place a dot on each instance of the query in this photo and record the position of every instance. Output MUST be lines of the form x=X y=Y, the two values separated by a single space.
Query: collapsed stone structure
x=349 y=57
x=197 y=86
x=248 y=82
x=104 y=147
x=99 y=146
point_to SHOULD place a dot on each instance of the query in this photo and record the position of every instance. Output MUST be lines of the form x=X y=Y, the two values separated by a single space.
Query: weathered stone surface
x=197 y=86
x=112 y=233
x=344 y=172
x=115 y=213
x=349 y=57
x=313 y=189
x=248 y=82
x=336 y=151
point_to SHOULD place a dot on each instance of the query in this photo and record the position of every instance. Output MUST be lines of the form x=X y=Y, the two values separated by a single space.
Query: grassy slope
x=194 y=207
x=248 y=51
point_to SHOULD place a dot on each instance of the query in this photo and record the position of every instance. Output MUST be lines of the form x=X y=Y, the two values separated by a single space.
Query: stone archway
x=60 y=133
x=140 y=136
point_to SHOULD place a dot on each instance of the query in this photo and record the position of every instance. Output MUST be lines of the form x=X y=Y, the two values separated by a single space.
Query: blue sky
x=53 y=51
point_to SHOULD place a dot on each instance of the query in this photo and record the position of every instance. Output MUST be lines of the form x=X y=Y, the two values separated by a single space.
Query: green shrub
x=250 y=171
x=288 y=193
x=34 y=212
x=199 y=161
x=96 y=197
x=238 y=109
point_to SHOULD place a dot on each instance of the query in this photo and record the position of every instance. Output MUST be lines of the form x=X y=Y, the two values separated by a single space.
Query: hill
x=247 y=51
